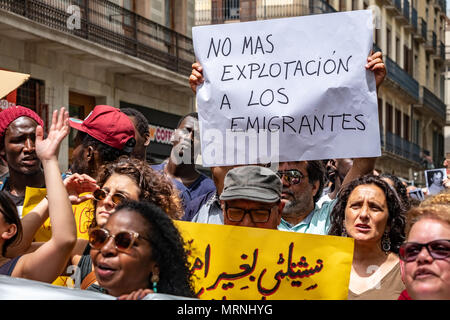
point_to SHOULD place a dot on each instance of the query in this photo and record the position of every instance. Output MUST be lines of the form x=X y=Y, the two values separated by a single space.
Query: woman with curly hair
x=124 y=179
x=140 y=250
x=152 y=187
x=370 y=211
x=398 y=185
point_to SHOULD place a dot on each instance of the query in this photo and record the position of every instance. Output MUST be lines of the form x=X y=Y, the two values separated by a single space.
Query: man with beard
x=17 y=136
x=336 y=170
x=303 y=183
x=180 y=166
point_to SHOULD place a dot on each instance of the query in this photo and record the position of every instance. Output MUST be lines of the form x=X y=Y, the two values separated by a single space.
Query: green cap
x=253 y=183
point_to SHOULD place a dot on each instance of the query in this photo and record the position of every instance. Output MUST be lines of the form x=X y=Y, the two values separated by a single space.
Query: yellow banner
x=83 y=213
x=240 y=263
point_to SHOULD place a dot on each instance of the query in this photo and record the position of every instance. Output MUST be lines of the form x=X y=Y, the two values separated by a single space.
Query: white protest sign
x=291 y=89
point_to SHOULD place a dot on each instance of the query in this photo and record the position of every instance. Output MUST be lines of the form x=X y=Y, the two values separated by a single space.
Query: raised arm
x=196 y=77
x=48 y=261
x=363 y=166
x=376 y=65
x=76 y=185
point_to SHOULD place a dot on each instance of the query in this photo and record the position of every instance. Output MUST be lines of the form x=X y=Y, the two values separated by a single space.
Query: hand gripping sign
x=287 y=89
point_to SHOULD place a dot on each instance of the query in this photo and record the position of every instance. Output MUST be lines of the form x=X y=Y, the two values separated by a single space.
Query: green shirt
x=317 y=222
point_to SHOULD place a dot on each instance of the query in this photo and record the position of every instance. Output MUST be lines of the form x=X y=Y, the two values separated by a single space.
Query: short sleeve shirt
x=201 y=186
x=317 y=222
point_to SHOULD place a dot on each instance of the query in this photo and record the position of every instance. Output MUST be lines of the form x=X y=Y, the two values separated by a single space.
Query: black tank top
x=7 y=268
x=85 y=265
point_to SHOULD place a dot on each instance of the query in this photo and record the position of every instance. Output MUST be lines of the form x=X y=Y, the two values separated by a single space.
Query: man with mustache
x=303 y=183
x=336 y=170
x=17 y=136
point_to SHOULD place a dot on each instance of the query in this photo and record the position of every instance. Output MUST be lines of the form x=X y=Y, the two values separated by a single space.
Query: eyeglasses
x=438 y=249
x=123 y=240
x=101 y=194
x=256 y=215
x=292 y=176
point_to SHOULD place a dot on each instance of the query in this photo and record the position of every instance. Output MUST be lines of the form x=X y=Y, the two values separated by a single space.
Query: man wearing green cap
x=251 y=197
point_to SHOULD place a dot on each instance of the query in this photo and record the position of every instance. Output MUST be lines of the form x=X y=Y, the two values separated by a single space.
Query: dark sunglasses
x=256 y=215
x=292 y=176
x=438 y=249
x=123 y=240
x=101 y=194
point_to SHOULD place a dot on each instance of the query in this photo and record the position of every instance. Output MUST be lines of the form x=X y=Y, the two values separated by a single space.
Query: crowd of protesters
x=135 y=249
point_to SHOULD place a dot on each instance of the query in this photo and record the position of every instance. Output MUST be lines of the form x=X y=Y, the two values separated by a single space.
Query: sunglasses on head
x=101 y=194
x=438 y=249
x=123 y=240
x=292 y=176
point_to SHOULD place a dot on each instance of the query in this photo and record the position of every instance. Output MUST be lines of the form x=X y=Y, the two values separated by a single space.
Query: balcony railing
x=414 y=18
x=402 y=78
x=443 y=5
x=320 y=6
x=434 y=103
x=441 y=51
x=406 y=10
x=431 y=44
x=401 y=147
x=112 y=26
x=226 y=10
x=424 y=29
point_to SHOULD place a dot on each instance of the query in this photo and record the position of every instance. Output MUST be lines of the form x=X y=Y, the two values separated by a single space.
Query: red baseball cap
x=108 y=125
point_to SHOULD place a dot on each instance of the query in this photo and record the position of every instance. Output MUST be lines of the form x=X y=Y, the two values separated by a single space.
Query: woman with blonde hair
x=425 y=256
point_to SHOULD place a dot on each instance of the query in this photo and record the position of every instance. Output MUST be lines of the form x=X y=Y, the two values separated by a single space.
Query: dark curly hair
x=168 y=249
x=396 y=219
x=106 y=152
x=141 y=120
x=400 y=188
x=154 y=187
x=10 y=215
x=316 y=172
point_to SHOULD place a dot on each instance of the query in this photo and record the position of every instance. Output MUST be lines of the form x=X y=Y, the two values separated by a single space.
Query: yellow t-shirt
x=83 y=213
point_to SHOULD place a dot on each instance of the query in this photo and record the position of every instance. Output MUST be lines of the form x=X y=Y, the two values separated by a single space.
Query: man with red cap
x=103 y=136
x=17 y=136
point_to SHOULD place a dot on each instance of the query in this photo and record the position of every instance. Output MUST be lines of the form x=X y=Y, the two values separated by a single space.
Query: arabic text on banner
x=237 y=263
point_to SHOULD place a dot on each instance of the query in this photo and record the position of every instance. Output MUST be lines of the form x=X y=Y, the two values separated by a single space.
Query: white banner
x=23 y=289
x=287 y=89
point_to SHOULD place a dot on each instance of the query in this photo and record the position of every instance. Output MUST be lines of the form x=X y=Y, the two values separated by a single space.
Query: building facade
x=411 y=36
x=82 y=53
x=447 y=89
